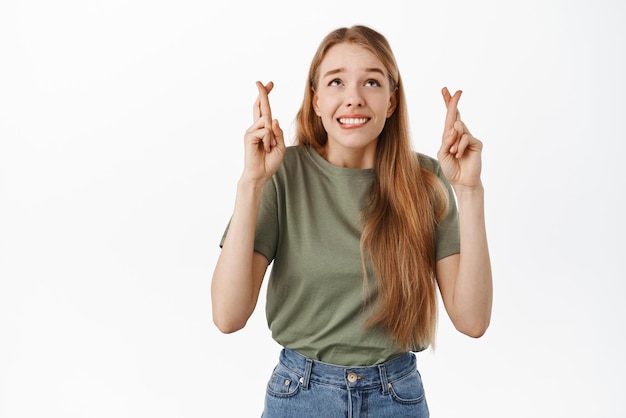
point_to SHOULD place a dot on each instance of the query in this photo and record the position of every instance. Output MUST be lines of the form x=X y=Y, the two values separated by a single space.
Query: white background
x=121 y=126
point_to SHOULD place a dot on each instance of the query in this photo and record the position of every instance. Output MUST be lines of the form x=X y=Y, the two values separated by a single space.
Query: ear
x=314 y=101
x=393 y=102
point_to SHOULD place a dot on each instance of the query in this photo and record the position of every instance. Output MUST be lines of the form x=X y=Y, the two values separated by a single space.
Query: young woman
x=361 y=230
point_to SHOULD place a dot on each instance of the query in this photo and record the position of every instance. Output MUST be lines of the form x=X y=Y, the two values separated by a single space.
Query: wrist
x=251 y=184
x=475 y=190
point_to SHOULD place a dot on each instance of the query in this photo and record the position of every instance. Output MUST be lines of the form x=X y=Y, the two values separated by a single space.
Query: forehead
x=349 y=57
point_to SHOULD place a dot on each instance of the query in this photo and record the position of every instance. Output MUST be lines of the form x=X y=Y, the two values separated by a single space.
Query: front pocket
x=408 y=390
x=283 y=383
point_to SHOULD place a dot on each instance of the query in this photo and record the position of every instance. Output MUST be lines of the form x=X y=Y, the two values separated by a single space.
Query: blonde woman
x=360 y=231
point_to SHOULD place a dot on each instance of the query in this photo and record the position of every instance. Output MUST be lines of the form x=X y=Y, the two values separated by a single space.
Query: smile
x=353 y=121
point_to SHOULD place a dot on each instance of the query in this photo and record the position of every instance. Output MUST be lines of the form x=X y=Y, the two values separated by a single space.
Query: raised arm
x=465 y=279
x=239 y=271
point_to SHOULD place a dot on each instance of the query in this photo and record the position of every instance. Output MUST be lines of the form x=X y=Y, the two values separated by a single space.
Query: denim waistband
x=348 y=377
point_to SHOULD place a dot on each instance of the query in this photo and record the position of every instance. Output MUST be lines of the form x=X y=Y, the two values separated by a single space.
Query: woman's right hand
x=240 y=270
x=264 y=141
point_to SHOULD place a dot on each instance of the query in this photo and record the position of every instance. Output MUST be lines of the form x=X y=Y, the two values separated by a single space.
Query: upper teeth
x=352 y=121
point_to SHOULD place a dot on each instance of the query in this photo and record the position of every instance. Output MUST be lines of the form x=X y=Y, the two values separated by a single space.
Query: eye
x=372 y=83
x=335 y=82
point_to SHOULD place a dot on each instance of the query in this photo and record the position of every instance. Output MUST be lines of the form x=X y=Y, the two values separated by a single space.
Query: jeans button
x=352 y=377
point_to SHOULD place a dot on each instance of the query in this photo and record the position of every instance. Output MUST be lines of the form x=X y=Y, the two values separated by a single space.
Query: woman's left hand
x=460 y=152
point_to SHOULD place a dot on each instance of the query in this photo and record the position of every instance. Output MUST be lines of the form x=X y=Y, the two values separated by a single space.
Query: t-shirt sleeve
x=266 y=234
x=447 y=235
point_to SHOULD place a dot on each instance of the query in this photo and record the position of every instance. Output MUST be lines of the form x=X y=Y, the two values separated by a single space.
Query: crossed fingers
x=261 y=107
x=454 y=123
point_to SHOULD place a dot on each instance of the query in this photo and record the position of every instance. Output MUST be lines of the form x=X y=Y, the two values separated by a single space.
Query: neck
x=359 y=158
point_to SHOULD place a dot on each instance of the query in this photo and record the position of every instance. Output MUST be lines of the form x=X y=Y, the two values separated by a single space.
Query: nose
x=354 y=98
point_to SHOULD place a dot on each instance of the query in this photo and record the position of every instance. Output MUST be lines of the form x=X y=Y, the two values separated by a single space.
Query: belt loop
x=383 y=378
x=307 y=374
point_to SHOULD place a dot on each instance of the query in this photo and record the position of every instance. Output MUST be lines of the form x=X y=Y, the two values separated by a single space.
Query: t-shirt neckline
x=335 y=170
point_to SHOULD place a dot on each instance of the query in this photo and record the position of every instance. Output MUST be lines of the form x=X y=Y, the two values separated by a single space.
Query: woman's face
x=354 y=99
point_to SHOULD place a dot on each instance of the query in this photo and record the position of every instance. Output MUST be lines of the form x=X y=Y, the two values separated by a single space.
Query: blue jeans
x=301 y=387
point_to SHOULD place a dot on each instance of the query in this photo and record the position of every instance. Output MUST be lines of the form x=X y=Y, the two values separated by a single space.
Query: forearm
x=473 y=292
x=235 y=286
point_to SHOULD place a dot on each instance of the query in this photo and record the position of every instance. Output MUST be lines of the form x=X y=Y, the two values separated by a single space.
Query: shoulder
x=294 y=153
x=295 y=156
x=428 y=162
x=432 y=165
x=295 y=159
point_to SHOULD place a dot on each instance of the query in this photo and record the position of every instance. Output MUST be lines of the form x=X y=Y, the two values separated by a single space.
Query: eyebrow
x=367 y=70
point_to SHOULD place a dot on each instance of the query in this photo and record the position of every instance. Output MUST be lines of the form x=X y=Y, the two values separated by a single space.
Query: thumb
x=278 y=134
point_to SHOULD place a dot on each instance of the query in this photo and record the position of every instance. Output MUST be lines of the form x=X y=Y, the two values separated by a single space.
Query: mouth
x=351 y=122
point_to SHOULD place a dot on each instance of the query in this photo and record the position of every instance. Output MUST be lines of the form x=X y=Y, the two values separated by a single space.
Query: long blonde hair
x=406 y=202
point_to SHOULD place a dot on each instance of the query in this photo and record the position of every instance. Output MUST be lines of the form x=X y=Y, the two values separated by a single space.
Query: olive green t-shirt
x=309 y=226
